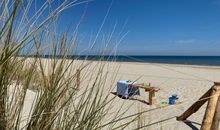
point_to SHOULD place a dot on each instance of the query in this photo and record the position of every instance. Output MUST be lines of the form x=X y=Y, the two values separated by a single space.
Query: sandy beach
x=189 y=82
x=77 y=64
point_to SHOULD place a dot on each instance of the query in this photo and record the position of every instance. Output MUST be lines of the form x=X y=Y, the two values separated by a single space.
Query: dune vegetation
x=38 y=93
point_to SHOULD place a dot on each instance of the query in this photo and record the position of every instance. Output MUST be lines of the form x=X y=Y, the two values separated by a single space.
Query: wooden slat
x=152 y=89
x=147 y=88
x=138 y=86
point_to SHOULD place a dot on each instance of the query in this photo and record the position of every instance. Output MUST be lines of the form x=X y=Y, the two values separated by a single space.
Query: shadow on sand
x=190 y=124
x=130 y=98
x=187 y=122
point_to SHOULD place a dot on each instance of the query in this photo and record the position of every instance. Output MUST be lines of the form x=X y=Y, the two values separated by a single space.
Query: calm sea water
x=188 y=60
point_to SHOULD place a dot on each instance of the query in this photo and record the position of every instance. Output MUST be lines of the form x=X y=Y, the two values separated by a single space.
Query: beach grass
x=39 y=93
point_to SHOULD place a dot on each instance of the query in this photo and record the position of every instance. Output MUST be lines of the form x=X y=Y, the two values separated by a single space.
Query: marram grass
x=37 y=93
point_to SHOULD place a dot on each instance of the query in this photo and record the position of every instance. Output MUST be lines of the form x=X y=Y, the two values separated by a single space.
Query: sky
x=149 y=27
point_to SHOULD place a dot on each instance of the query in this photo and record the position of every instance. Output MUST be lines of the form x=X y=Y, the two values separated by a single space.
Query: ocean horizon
x=186 y=60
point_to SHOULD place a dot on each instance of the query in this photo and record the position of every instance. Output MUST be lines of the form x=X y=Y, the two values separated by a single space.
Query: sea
x=186 y=60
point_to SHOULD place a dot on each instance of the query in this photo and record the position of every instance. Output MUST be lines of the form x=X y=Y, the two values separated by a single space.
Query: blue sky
x=152 y=27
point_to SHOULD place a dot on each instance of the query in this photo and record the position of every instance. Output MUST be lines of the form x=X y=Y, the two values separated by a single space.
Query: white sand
x=188 y=81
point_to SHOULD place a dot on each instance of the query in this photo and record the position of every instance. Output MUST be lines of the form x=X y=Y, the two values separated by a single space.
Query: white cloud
x=188 y=41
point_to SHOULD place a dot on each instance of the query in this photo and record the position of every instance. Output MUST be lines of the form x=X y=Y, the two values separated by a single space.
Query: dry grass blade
x=38 y=93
